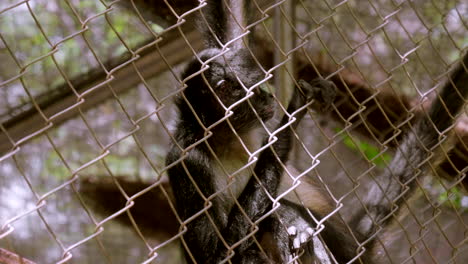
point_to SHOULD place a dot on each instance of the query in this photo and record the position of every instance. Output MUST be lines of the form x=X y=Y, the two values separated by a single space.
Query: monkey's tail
x=452 y=97
x=212 y=23
x=222 y=21
x=399 y=179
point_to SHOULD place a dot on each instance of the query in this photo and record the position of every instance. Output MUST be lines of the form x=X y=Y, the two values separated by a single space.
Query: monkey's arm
x=255 y=200
x=200 y=233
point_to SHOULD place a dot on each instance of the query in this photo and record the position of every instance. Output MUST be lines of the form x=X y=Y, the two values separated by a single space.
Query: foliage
x=453 y=197
x=371 y=152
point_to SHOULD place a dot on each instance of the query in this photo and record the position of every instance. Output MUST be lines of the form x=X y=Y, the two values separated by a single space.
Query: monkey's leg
x=200 y=236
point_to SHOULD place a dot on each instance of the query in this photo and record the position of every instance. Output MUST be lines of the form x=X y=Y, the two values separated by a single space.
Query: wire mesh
x=87 y=116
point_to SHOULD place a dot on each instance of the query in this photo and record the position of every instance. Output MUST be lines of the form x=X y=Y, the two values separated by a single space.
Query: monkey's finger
x=304 y=237
x=322 y=91
x=292 y=230
x=297 y=242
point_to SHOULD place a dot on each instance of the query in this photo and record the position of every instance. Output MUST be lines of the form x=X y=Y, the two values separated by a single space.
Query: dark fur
x=203 y=242
x=194 y=156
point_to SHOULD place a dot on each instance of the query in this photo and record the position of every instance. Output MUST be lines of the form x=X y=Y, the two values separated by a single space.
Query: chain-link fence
x=87 y=116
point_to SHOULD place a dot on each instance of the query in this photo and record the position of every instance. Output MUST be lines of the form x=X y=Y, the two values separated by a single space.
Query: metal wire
x=61 y=126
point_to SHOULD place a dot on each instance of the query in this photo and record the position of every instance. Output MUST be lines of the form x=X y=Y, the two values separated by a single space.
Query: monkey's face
x=231 y=83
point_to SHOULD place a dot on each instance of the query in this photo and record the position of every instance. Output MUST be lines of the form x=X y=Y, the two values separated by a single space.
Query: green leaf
x=371 y=152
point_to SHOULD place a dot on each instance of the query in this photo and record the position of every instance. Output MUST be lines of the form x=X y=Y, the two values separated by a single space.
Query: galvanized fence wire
x=386 y=57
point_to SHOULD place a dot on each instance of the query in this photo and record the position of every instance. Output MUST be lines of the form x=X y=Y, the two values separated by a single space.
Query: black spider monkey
x=221 y=112
x=206 y=164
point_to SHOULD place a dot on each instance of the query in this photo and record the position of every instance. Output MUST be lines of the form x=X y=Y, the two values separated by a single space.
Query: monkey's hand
x=322 y=91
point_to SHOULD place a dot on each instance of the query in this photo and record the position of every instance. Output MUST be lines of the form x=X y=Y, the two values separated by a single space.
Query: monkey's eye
x=221 y=84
